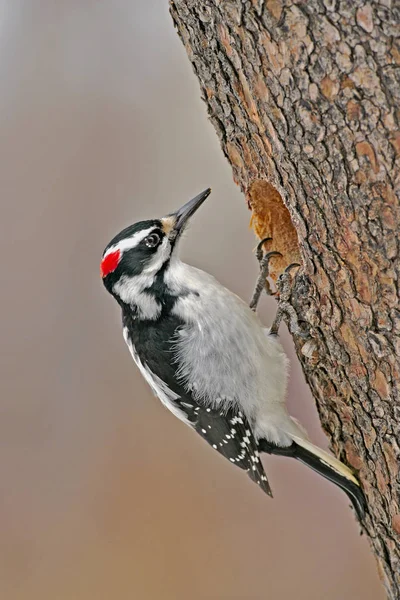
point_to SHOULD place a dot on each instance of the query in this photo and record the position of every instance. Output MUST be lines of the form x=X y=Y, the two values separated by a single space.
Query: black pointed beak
x=183 y=214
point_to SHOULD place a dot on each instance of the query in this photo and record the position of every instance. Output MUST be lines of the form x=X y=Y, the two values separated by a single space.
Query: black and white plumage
x=225 y=428
x=205 y=353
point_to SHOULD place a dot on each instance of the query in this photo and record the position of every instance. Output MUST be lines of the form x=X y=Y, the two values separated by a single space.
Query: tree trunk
x=305 y=98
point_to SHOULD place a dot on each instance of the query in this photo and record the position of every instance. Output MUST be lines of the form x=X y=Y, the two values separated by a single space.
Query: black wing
x=228 y=432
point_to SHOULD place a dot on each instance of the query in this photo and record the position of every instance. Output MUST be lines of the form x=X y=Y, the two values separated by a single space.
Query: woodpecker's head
x=135 y=258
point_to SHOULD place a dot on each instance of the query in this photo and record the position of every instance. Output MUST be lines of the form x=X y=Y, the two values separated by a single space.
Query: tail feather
x=324 y=457
x=325 y=464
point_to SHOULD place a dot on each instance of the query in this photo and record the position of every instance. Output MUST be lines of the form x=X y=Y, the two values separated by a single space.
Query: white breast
x=224 y=353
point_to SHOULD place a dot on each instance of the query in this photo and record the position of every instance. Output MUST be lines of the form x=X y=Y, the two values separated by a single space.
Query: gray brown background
x=103 y=494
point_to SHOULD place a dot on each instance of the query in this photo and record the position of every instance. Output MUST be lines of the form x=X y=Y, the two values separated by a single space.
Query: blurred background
x=104 y=494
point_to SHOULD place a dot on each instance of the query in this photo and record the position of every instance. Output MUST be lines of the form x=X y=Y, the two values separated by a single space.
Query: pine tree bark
x=305 y=99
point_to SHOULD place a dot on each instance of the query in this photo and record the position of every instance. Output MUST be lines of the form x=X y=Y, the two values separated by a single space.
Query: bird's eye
x=152 y=240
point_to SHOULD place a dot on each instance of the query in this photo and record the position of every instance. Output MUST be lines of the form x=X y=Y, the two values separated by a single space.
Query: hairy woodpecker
x=205 y=353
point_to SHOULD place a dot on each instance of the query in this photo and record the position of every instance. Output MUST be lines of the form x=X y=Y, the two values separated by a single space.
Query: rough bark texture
x=305 y=97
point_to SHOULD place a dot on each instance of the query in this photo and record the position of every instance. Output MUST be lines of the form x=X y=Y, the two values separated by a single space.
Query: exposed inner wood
x=272 y=219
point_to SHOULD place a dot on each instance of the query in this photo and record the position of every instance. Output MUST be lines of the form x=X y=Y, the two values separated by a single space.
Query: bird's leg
x=285 y=309
x=262 y=282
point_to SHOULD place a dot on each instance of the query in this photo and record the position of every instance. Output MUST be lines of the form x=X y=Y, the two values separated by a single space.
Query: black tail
x=329 y=470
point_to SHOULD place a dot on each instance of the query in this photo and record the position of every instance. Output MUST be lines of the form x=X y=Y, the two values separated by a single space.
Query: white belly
x=225 y=354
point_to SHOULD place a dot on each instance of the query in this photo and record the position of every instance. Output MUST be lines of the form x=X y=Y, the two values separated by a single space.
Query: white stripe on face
x=131 y=242
x=132 y=289
x=160 y=256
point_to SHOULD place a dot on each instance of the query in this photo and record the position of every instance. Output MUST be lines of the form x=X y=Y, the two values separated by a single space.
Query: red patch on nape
x=109 y=263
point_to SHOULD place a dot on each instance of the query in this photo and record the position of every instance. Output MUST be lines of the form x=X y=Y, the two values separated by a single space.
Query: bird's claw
x=285 y=310
x=284 y=291
x=262 y=281
x=285 y=281
x=259 y=248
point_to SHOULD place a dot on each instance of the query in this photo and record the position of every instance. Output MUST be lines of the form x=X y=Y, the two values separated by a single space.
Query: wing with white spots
x=230 y=434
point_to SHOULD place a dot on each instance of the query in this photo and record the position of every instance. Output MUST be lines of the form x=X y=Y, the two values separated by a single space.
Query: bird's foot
x=285 y=310
x=262 y=281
